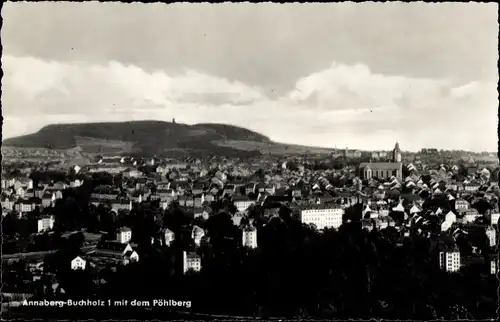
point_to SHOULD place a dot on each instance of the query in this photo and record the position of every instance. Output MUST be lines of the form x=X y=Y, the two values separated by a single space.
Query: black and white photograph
x=249 y=161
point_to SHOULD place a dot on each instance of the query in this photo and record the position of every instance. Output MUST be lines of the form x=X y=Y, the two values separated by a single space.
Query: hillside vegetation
x=156 y=138
x=149 y=137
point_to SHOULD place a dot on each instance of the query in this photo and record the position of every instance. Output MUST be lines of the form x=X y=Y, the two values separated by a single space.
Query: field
x=272 y=147
x=95 y=145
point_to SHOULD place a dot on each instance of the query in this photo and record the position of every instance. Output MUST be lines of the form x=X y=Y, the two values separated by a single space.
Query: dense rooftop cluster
x=193 y=220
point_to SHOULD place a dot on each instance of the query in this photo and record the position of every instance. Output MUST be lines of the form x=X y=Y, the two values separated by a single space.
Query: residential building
x=7 y=203
x=131 y=173
x=491 y=233
x=470 y=215
x=118 y=205
x=322 y=216
x=169 y=236
x=190 y=261
x=45 y=223
x=415 y=210
x=197 y=234
x=48 y=199
x=24 y=206
x=201 y=212
x=449 y=260
x=78 y=263
x=105 y=193
x=494 y=218
x=113 y=249
x=493 y=264
x=461 y=204
x=242 y=202
x=124 y=235
x=130 y=256
x=250 y=237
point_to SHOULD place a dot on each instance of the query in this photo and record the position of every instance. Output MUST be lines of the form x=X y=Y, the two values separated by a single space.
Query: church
x=384 y=170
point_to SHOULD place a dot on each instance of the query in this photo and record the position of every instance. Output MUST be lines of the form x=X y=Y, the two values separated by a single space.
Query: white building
x=45 y=223
x=169 y=237
x=461 y=205
x=493 y=264
x=131 y=173
x=48 y=200
x=191 y=261
x=7 y=204
x=494 y=218
x=399 y=207
x=415 y=210
x=250 y=237
x=78 y=263
x=470 y=215
x=24 y=206
x=76 y=183
x=197 y=234
x=322 y=216
x=118 y=205
x=124 y=235
x=130 y=257
x=242 y=203
x=449 y=260
x=383 y=212
x=450 y=217
x=491 y=233
x=445 y=225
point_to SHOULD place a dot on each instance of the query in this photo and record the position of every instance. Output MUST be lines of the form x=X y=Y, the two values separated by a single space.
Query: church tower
x=396 y=153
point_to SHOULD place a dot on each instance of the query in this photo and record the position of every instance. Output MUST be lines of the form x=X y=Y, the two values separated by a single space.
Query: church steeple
x=396 y=153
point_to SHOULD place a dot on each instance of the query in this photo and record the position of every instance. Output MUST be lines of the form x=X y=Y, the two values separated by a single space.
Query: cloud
x=356 y=87
x=67 y=88
x=341 y=105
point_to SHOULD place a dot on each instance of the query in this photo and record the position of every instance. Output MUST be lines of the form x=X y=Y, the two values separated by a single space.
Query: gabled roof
x=112 y=245
x=415 y=209
x=241 y=198
x=399 y=208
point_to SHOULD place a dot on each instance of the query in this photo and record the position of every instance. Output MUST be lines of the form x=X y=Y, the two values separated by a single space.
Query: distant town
x=235 y=235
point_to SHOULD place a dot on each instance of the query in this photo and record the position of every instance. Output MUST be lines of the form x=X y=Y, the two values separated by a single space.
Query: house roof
x=111 y=246
x=270 y=200
x=381 y=165
x=317 y=206
x=128 y=253
x=241 y=198
x=192 y=255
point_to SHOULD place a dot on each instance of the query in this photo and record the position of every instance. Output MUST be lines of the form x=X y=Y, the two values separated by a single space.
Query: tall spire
x=396 y=153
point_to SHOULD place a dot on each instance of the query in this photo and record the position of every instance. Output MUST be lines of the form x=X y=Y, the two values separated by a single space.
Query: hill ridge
x=155 y=137
x=144 y=136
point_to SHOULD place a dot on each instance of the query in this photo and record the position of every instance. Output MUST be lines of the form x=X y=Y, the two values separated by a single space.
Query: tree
x=77 y=239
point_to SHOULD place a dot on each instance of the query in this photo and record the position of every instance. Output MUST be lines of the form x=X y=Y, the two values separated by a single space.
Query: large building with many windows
x=191 y=261
x=124 y=235
x=322 y=216
x=45 y=223
x=449 y=260
x=250 y=237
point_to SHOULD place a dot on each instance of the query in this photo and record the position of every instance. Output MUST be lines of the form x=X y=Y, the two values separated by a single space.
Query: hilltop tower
x=396 y=153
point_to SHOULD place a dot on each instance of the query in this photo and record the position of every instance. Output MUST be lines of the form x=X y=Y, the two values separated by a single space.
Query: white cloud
x=342 y=105
x=355 y=87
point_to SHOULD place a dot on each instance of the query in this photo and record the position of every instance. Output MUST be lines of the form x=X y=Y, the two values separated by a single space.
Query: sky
x=340 y=75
